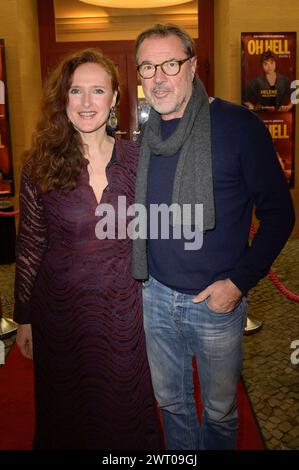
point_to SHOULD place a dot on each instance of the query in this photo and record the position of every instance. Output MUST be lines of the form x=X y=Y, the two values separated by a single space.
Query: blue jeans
x=176 y=329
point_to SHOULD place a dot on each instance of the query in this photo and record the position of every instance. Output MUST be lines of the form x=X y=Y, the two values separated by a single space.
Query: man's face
x=168 y=95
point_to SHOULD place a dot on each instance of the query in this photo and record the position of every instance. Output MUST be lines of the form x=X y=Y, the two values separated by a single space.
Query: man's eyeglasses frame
x=179 y=62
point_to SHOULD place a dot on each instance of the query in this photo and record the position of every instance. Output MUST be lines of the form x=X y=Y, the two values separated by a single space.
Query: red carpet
x=17 y=408
x=16 y=402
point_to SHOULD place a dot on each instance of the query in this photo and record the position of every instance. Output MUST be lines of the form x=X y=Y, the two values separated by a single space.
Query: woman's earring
x=112 y=120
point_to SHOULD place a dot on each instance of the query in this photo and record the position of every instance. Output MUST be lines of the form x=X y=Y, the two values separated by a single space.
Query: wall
x=235 y=16
x=19 y=29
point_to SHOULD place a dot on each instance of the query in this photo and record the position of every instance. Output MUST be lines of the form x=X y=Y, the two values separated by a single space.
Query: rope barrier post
x=7 y=255
x=7 y=233
x=252 y=326
x=7 y=326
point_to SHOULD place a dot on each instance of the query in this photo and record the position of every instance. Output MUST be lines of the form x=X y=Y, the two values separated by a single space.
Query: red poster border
x=8 y=180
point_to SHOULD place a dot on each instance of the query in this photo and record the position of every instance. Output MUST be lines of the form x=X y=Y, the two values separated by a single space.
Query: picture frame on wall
x=268 y=71
x=6 y=163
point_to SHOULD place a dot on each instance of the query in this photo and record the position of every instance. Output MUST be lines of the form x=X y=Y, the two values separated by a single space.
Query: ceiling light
x=134 y=3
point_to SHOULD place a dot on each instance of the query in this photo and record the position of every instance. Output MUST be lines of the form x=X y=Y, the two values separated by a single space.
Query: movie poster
x=268 y=70
x=6 y=168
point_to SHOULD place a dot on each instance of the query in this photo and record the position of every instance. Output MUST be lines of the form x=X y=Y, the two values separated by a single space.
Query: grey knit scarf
x=193 y=183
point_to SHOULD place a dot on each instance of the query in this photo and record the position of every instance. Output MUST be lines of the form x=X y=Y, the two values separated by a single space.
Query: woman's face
x=90 y=98
x=269 y=66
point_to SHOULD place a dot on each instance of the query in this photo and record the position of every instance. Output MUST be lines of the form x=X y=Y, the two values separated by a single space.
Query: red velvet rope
x=277 y=283
x=9 y=214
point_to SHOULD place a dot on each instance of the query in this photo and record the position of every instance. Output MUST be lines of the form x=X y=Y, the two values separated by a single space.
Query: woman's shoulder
x=129 y=145
x=26 y=174
x=28 y=182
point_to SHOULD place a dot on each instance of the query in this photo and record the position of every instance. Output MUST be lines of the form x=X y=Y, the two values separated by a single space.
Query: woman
x=78 y=308
x=269 y=91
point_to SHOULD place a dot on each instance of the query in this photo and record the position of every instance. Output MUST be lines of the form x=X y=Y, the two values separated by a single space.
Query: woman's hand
x=24 y=340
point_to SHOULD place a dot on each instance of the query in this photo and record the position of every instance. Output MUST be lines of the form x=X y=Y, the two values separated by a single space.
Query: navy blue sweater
x=246 y=173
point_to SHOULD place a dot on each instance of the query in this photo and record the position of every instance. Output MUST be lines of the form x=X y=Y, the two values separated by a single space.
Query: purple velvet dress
x=92 y=382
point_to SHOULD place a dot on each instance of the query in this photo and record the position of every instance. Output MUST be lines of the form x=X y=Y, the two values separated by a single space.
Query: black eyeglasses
x=169 y=67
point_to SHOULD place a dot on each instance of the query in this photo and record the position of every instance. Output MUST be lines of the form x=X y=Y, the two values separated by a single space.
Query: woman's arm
x=30 y=247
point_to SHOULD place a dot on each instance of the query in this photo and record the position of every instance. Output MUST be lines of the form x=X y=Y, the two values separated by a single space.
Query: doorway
x=59 y=37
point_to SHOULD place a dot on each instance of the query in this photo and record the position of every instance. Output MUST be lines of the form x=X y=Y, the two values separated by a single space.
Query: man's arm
x=273 y=206
x=267 y=184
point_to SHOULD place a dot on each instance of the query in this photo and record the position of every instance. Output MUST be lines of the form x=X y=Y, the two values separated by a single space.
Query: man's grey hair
x=164 y=30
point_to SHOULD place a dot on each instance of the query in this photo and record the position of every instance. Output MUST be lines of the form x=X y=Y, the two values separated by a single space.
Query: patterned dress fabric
x=92 y=382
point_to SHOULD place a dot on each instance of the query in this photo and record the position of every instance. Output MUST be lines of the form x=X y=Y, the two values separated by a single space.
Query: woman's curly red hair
x=55 y=158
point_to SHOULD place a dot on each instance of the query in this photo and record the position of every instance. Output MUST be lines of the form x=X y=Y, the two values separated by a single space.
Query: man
x=220 y=156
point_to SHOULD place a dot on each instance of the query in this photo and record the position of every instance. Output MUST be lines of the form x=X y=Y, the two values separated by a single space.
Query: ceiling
x=78 y=21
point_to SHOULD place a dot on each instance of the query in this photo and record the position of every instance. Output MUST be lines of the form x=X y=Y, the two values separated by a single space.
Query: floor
x=271 y=372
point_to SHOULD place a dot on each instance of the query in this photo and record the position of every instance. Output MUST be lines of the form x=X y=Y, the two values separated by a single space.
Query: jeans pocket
x=148 y=282
x=206 y=301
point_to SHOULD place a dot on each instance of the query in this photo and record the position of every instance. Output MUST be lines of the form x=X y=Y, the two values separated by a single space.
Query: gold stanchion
x=252 y=326
x=7 y=327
